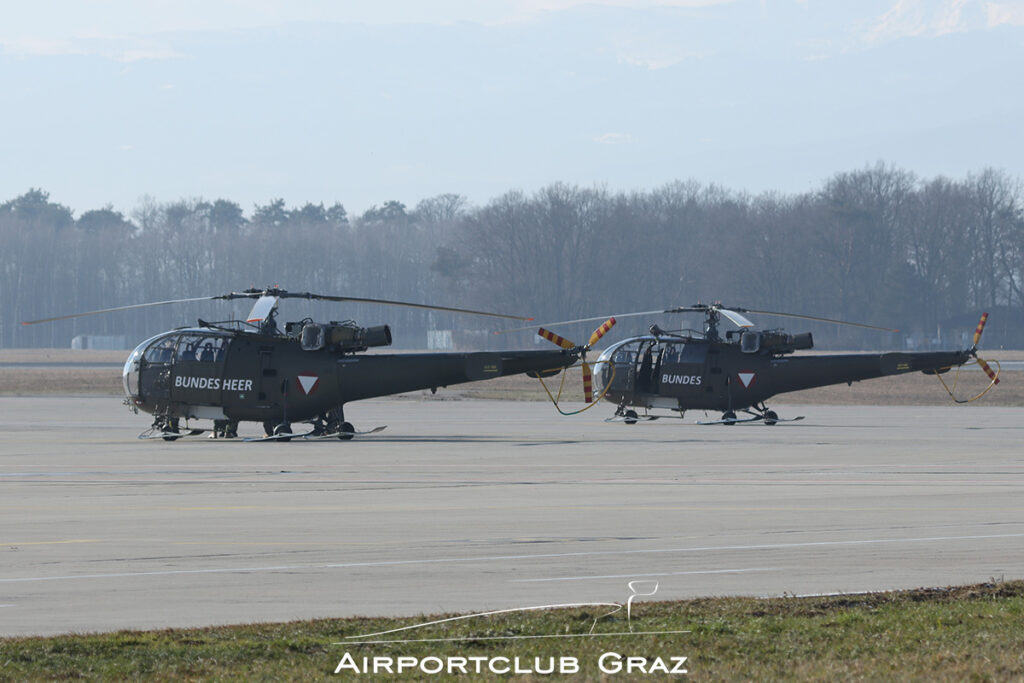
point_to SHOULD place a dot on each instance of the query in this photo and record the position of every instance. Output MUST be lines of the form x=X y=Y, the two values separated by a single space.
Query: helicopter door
x=648 y=360
x=155 y=370
x=270 y=389
x=624 y=378
x=682 y=369
x=198 y=369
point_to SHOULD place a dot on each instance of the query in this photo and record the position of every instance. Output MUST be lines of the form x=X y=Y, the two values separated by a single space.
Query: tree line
x=877 y=245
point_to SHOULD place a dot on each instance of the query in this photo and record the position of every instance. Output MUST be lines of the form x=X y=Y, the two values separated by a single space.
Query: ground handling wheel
x=283 y=428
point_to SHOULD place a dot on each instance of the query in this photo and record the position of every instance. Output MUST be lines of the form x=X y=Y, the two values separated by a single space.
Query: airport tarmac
x=477 y=505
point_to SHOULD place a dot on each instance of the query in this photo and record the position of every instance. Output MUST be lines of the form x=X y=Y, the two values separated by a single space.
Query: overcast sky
x=364 y=102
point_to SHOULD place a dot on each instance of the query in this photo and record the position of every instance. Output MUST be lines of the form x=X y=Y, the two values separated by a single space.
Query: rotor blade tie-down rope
x=597 y=399
x=994 y=377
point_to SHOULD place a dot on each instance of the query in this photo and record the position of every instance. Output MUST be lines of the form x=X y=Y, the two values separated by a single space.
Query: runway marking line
x=646 y=576
x=537 y=637
x=504 y=558
x=72 y=540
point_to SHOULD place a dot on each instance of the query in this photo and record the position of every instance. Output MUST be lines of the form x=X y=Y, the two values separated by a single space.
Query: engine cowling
x=343 y=337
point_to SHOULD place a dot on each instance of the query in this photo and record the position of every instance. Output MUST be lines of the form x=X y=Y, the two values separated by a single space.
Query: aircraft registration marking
x=213 y=383
x=695 y=380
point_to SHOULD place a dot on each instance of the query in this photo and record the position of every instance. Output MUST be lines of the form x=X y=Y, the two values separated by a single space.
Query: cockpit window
x=211 y=349
x=625 y=355
x=693 y=353
x=161 y=351
x=202 y=348
x=187 y=346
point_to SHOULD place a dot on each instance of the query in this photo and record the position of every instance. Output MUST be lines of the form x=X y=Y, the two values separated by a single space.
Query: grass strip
x=973 y=632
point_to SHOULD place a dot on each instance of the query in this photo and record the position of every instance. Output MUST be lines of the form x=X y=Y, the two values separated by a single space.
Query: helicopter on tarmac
x=699 y=370
x=235 y=371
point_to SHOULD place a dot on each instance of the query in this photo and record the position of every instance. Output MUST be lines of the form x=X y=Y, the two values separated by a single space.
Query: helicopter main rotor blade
x=813 y=317
x=732 y=314
x=388 y=302
x=587 y=320
x=121 y=308
x=256 y=294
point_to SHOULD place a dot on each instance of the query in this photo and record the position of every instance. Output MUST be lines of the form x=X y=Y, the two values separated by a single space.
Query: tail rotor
x=993 y=376
x=588 y=384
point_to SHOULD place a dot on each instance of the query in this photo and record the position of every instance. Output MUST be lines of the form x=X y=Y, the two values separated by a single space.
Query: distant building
x=110 y=342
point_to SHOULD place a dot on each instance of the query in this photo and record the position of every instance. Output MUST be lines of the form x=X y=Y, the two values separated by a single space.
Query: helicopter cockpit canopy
x=179 y=346
x=205 y=346
x=639 y=362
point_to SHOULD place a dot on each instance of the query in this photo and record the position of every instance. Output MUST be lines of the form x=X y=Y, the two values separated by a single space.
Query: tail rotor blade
x=601 y=331
x=556 y=339
x=985 y=366
x=981 y=326
x=588 y=386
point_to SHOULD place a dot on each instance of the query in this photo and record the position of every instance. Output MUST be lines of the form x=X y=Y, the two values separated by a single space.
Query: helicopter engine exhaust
x=377 y=336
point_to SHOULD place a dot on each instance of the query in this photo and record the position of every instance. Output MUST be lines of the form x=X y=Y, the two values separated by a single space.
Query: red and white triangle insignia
x=307 y=383
x=746 y=378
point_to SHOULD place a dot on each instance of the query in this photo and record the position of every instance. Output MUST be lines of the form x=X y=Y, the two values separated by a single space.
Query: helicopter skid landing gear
x=276 y=432
x=346 y=432
x=167 y=428
x=628 y=416
x=631 y=417
x=757 y=414
x=770 y=417
x=332 y=425
x=163 y=427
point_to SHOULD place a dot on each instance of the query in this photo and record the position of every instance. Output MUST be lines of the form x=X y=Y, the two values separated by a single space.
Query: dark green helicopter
x=699 y=370
x=236 y=371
